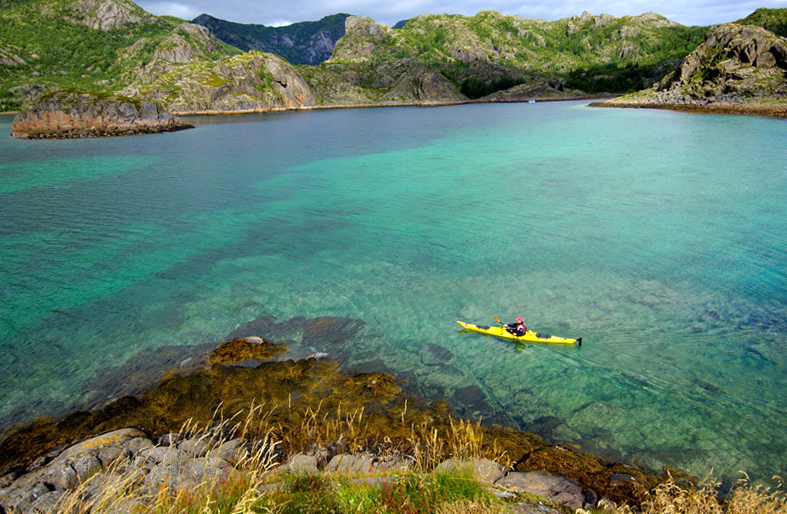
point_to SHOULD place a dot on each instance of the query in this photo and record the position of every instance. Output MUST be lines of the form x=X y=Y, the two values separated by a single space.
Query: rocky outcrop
x=734 y=61
x=395 y=82
x=736 y=64
x=361 y=40
x=175 y=461
x=249 y=82
x=188 y=43
x=64 y=115
x=109 y=14
x=410 y=81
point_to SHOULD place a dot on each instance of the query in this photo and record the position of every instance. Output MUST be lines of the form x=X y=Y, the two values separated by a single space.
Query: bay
x=659 y=237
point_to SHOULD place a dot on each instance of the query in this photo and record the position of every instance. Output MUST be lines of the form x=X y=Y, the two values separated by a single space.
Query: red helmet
x=519 y=320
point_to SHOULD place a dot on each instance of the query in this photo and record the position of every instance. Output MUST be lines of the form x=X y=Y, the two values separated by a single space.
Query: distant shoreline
x=769 y=110
x=382 y=104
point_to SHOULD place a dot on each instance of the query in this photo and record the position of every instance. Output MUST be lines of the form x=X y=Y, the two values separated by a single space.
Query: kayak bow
x=529 y=337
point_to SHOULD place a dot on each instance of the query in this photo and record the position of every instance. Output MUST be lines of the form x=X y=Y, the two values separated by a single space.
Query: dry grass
x=703 y=498
x=119 y=488
x=241 y=490
x=756 y=499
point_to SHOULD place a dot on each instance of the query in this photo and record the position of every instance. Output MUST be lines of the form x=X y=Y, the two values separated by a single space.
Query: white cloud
x=267 y=12
x=186 y=12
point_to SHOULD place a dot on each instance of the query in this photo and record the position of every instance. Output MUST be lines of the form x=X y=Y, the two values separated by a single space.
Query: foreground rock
x=64 y=115
x=148 y=468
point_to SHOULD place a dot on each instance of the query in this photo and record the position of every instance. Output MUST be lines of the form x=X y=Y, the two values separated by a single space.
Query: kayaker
x=518 y=328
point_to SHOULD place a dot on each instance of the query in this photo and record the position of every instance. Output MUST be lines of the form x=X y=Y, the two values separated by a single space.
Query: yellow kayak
x=529 y=337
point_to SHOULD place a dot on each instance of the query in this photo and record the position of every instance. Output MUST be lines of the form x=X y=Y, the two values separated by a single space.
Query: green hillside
x=114 y=46
x=774 y=20
x=63 y=44
x=592 y=53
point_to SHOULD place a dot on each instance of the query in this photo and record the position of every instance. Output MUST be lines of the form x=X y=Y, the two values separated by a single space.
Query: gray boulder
x=484 y=470
x=366 y=463
x=557 y=489
x=299 y=463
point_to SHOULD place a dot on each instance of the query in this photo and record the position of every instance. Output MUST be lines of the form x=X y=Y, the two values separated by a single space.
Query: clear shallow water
x=659 y=237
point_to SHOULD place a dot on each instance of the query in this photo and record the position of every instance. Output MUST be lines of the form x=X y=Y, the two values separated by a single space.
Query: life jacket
x=521 y=328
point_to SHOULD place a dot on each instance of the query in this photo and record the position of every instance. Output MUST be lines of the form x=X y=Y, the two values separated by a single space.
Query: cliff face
x=74 y=115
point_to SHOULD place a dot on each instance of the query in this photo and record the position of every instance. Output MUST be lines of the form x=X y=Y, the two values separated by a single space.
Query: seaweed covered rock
x=64 y=115
x=246 y=348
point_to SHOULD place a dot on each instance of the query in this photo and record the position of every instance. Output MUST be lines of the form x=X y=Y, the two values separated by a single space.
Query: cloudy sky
x=388 y=12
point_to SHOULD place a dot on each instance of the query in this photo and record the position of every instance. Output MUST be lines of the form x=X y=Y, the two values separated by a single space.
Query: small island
x=65 y=115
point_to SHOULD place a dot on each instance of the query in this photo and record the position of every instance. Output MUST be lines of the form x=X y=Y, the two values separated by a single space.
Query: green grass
x=407 y=493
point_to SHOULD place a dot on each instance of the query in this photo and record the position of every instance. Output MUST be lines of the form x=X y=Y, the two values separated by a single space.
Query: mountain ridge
x=308 y=42
x=114 y=46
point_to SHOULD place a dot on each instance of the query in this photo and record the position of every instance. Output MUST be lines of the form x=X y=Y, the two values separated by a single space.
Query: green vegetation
x=56 y=51
x=476 y=88
x=47 y=45
x=774 y=20
x=591 y=53
x=43 y=47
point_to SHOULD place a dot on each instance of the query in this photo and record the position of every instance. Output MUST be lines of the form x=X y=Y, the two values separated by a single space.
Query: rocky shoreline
x=143 y=437
x=188 y=460
x=748 y=109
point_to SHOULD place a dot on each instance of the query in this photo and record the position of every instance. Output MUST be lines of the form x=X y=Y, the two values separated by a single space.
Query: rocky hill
x=736 y=64
x=253 y=81
x=86 y=45
x=115 y=47
x=587 y=52
x=309 y=42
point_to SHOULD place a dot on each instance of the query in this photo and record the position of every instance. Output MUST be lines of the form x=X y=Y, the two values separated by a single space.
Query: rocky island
x=64 y=115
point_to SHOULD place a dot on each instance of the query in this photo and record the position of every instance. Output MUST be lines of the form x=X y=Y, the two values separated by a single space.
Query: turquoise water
x=659 y=237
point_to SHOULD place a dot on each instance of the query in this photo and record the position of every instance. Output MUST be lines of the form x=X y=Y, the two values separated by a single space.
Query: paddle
x=501 y=324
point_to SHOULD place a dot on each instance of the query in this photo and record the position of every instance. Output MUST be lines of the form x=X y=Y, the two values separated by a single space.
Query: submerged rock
x=244 y=349
x=64 y=115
